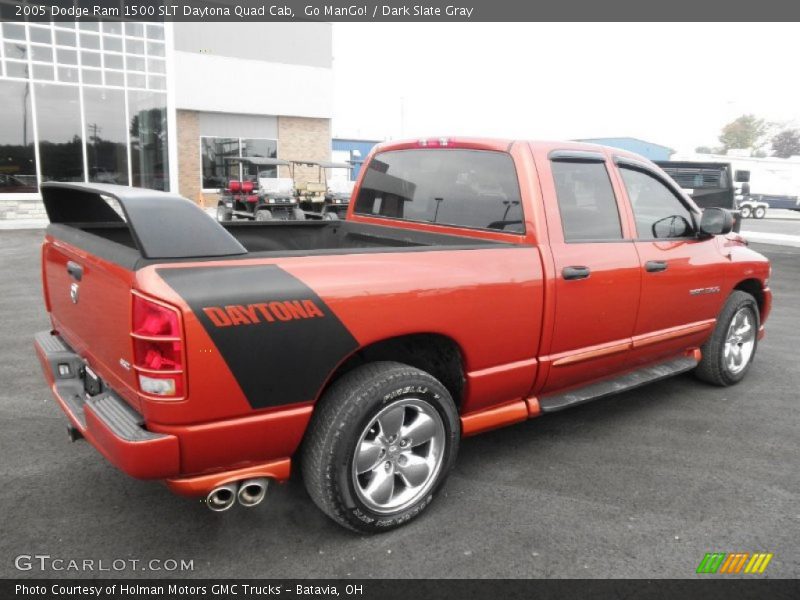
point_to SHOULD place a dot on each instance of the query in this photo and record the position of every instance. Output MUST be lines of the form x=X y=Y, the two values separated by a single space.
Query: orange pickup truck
x=473 y=284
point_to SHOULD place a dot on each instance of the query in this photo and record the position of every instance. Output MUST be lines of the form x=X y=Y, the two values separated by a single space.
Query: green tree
x=786 y=143
x=703 y=150
x=747 y=132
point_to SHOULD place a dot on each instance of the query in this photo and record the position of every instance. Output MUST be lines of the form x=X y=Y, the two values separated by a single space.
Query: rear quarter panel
x=489 y=301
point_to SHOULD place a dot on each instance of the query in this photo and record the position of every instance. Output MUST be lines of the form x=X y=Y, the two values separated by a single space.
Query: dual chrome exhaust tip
x=249 y=492
x=253 y=491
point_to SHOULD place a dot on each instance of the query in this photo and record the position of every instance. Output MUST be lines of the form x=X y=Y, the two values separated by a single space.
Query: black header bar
x=711 y=588
x=410 y=11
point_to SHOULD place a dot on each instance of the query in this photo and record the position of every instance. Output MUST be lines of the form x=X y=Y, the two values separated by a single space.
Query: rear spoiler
x=162 y=225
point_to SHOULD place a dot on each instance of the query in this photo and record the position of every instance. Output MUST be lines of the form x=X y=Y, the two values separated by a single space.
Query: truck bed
x=135 y=228
x=115 y=241
x=331 y=236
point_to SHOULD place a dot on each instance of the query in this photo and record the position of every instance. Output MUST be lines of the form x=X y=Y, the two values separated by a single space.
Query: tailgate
x=98 y=235
x=90 y=306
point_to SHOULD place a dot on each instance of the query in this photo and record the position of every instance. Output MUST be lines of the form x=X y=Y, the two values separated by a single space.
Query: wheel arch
x=434 y=353
x=756 y=290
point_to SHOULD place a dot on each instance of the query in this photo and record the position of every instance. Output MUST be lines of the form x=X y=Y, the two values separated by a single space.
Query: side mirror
x=674 y=226
x=716 y=221
x=742 y=176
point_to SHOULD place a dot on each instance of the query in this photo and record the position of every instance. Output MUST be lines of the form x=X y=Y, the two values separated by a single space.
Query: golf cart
x=326 y=198
x=251 y=194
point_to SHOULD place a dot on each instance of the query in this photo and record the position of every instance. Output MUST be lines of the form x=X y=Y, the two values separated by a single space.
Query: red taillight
x=157 y=348
x=154 y=320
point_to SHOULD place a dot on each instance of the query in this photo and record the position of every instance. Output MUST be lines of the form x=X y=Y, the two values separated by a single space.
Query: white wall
x=242 y=126
x=307 y=43
x=235 y=85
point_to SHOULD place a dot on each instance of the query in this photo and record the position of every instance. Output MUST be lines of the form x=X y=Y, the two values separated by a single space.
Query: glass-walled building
x=157 y=105
x=83 y=102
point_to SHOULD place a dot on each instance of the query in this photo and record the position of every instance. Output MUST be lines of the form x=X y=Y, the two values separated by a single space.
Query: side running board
x=618 y=384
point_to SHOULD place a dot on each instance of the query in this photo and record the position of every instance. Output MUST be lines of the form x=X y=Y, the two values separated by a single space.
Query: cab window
x=586 y=201
x=464 y=188
x=658 y=212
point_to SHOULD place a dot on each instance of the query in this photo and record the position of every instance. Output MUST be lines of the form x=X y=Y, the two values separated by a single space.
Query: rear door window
x=586 y=201
x=466 y=188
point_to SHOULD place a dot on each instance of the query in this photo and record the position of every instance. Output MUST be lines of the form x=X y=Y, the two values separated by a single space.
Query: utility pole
x=95 y=130
x=25 y=113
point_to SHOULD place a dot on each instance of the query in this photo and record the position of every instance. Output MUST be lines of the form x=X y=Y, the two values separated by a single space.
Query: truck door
x=596 y=268
x=682 y=275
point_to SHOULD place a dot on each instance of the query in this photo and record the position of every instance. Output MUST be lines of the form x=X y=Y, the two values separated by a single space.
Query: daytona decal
x=278 y=338
x=262 y=312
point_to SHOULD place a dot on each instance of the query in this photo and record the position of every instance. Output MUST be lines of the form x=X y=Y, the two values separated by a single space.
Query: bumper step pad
x=120 y=418
x=112 y=410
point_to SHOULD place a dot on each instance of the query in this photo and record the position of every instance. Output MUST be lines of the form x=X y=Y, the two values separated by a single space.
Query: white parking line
x=23 y=223
x=779 y=239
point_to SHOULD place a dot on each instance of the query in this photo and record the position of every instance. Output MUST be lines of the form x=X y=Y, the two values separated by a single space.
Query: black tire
x=223 y=213
x=712 y=367
x=263 y=214
x=346 y=409
x=330 y=216
x=760 y=212
x=746 y=212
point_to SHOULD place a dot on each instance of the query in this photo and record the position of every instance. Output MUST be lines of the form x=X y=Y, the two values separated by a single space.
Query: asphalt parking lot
x=639 y=485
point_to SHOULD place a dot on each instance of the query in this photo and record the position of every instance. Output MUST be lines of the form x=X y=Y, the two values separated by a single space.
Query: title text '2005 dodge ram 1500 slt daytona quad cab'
x=473 y=284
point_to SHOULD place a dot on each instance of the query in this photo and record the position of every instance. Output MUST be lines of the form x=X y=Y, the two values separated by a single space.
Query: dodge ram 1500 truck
x=473 y=284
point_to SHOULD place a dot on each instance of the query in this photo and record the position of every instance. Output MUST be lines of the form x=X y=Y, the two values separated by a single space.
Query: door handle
x=75 y=270
x=655 y=266
x=570 y=273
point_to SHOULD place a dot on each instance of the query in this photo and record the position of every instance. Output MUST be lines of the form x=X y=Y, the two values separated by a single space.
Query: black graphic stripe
x=275 y=362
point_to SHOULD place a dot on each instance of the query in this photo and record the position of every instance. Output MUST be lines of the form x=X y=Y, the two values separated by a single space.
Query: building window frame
x=160 y=58
x=213 y=190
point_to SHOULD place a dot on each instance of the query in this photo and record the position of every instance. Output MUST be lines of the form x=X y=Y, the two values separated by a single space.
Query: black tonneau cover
x=162 y=225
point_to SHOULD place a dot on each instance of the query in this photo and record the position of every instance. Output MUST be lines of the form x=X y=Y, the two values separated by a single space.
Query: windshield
x=466 y=188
